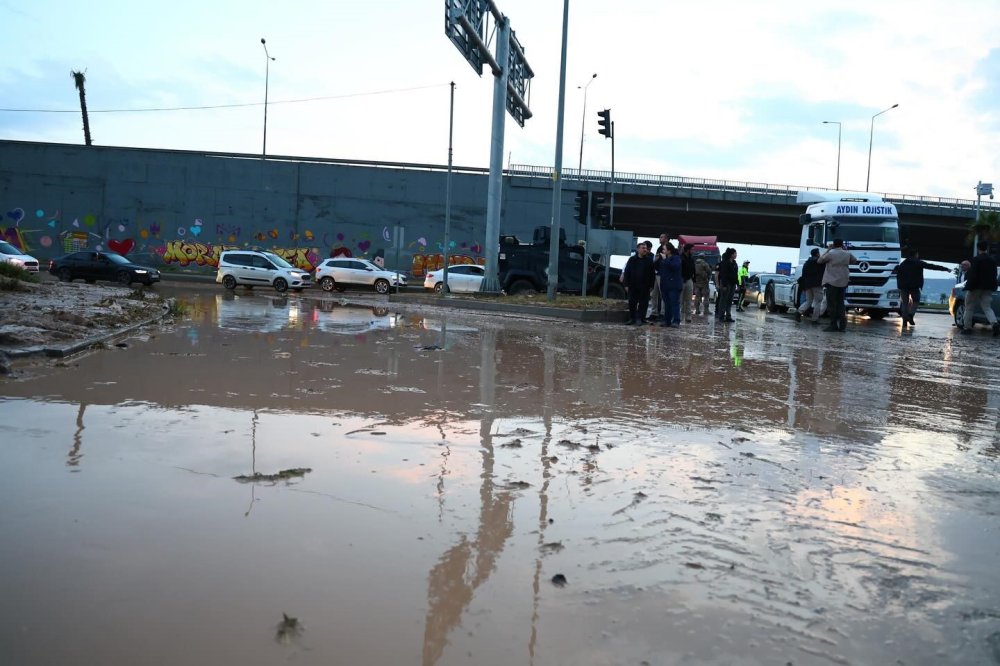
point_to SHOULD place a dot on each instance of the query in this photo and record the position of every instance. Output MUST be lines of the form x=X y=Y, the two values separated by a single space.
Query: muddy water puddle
x=426 y=488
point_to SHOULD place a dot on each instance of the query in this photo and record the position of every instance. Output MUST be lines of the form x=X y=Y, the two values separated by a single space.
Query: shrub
x=9 y=270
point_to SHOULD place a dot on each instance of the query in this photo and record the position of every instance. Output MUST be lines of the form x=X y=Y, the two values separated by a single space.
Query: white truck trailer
x=869 y=227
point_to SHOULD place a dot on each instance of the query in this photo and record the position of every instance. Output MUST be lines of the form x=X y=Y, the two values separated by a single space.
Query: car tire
x=382 y=286
x=123 y=278
x=617 y=292
x=439 y=287
x=229 y=282
x=520 y=287
x=65 y=274
x=280 y=285
x=960 y=314
x=769 y=304
x=327 y=283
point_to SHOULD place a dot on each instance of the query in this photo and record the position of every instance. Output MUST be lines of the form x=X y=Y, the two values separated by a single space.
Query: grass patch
x=9 y=270
x=176 y=308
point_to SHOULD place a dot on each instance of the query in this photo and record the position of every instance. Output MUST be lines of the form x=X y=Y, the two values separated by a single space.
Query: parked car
x=757 y=286
x=253 y=268
x=342 y=272
x=956 y=305
x=461 y=278
x=11 y=255
x=91 y=265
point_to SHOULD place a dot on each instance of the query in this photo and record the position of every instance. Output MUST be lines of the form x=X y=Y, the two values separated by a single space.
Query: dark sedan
x=91 y=266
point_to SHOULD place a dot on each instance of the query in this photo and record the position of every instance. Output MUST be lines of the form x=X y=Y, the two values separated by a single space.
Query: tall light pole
x=837 y=123
x=871 y=135
x=583 y=122
x=981 y=189
x=267 y=76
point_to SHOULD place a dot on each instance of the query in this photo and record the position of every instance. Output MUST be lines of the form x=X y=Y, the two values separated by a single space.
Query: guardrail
x=734 y=186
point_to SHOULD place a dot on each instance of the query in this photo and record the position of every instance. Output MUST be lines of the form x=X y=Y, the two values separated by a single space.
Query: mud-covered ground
x=298 y=480
x=56 y=314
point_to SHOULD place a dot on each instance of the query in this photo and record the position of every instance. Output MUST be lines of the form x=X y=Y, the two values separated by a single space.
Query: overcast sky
x=717 y=89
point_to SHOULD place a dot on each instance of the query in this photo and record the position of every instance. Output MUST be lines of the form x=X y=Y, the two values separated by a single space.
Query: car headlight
x=893 y=293
x=140 y=271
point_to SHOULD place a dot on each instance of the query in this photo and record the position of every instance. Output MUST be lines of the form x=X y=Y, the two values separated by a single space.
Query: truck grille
x=869 y=280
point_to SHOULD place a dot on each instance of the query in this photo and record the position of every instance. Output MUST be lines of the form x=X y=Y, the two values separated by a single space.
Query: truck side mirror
x=805 y=218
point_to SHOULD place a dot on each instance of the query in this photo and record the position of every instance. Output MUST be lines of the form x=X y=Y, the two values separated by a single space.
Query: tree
x=986 y=227
x=79 y=80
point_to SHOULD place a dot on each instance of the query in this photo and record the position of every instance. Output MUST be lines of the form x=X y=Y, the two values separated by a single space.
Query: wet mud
x=436 y=488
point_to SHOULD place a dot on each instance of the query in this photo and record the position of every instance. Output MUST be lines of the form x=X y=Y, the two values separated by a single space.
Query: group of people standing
x=675 y=280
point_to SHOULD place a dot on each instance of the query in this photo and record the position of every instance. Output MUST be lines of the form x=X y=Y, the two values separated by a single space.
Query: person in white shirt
x=836 y=275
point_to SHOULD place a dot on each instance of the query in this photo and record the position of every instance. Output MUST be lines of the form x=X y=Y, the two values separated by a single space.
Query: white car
x=461 y=278
x=254 y=268
x=11 y=255
x=342 y=272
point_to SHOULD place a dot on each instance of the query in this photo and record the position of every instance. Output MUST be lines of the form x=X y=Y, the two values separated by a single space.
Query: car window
x=261 y=262
x=358 y=266
x=459 y=270
x=115 y=258
x=278 y=261
x=7 y=248
x=477 y=270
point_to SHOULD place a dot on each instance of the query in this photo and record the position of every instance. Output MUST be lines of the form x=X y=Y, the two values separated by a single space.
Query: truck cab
x=869 y=228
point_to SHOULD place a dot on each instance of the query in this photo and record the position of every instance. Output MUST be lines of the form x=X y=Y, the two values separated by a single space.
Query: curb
x=588 y=316
x=83 y=345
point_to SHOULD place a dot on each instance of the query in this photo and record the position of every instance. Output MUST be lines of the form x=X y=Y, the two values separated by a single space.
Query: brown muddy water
x=482 y=490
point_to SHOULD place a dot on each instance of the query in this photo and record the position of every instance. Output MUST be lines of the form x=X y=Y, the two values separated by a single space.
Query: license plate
x=862 y=291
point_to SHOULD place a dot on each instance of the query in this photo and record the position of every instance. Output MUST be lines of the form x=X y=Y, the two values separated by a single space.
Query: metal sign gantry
x=469 y=26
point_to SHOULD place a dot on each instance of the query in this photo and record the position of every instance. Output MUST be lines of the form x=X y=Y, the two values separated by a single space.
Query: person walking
x=687 y=277
x=741 y=284
x=811 y=288
x=836 y=276
x=910 y=280
x=980 y=283
x=638 y=278
x=668 y=267
x=727 y=278
x=702 y=276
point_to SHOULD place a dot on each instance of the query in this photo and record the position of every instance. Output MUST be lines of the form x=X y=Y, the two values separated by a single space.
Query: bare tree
x=80 y=80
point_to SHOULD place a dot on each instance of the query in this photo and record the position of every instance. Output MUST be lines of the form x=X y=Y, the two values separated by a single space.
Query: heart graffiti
x=122 y=247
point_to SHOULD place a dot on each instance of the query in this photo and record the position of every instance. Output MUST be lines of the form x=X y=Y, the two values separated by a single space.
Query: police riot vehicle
x=869 y=228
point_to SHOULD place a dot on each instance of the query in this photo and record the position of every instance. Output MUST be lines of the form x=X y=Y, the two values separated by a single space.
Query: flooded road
x=461 y=489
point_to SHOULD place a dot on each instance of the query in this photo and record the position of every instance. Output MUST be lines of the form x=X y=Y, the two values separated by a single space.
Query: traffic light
x=581 y=208
x=601 y=211
x=604 y=122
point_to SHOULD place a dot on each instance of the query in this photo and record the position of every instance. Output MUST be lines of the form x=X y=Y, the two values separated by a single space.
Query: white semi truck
x=869 y=227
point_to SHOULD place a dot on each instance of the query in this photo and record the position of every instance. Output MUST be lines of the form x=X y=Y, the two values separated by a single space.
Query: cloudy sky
x=733 y=89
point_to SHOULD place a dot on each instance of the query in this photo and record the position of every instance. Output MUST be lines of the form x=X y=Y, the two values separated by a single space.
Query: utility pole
x=555 y=227
x=447 y=189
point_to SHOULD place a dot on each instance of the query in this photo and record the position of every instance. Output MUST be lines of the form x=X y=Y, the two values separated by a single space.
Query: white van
x=254 y=268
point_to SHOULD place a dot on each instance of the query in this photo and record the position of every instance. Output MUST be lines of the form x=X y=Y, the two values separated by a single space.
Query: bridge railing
x=734 y=186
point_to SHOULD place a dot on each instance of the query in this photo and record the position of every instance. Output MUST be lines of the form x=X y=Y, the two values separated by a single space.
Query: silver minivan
x=254 y=268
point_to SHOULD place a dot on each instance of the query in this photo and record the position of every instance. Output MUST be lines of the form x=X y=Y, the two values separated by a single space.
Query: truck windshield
x=869 y=231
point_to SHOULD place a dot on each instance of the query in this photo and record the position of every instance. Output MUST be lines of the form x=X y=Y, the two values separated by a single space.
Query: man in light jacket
x=836 y=275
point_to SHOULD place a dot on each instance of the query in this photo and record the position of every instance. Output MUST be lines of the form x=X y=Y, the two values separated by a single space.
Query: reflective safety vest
x=743 y=275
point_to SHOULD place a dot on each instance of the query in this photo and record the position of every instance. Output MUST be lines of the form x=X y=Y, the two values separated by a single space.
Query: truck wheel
x=617 y=292
x=876 y=315
x=520 y=287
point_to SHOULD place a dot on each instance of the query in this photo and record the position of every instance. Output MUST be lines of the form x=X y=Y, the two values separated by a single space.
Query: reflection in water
x=823 y=499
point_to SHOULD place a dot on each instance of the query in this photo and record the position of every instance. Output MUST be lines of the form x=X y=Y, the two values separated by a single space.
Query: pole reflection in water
x=73 y=459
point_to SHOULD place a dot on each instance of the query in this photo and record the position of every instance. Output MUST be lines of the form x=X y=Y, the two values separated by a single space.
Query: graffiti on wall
x=198 y=242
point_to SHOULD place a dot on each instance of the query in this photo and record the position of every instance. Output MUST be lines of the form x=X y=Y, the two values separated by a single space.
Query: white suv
x=342 y=272
x=255 y=268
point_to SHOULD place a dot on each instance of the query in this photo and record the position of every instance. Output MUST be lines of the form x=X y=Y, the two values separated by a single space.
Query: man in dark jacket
x=638 y=278
x=728 y=278
x=980 y=283
x=910 y=280
x=811 y=288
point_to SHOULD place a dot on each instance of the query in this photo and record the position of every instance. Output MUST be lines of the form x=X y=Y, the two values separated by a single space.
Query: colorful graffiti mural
x=424 y=263
x=186 y=253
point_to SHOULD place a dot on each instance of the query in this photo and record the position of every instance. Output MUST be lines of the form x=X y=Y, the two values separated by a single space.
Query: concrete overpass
x=753 y=213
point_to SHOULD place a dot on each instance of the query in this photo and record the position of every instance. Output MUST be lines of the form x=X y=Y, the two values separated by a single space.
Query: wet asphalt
x=421 y=486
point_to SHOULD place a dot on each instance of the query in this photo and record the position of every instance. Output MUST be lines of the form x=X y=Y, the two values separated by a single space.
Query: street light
x=267 y=76
x=837 y=123
x=982 y=189
x=871 y=135
x=583 y=123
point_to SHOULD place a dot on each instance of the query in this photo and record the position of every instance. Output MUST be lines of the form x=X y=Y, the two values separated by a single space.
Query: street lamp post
x=583 y=122
x=267 y=76
x=981 y=189
x=871 y=135
x=837 y=123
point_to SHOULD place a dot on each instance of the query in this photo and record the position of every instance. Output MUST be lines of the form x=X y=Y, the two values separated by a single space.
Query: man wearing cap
x=836 y=275
x=741 y=287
